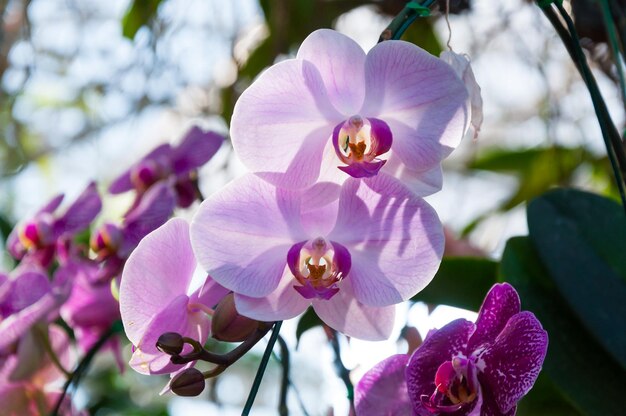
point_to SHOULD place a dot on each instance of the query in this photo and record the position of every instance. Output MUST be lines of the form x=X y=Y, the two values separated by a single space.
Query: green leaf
x=308 y=321
x=461 y=282
x=546 y=400
x=5 y=227
x=139 y=14
x=591 y=380
x=581 y=238
x=539 y=169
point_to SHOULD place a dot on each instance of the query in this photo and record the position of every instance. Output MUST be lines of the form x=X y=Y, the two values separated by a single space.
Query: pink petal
x=349 y=316
x=241 y=235
x=341 y=63
x=158 y=271
x=395 y=240
x=421 y=183
x=282 y=122
x=283 y=303
x=383 y=391
x=80 y=214
x=195 y=150
x=420 y=98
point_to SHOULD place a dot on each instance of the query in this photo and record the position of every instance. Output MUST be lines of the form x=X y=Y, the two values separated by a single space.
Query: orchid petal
x=80 y=214
x=420 y=98
x=383 y=390
x=123 y=182
x=347 y=315
x=241 y=235
x=52 y=205
x=421 y=183
x=437 y=348
x=157 y=272
x=513 y=362
x=395 y=240
x=500 y=304
x=341 y=66
x=281 y=304
x=282 y=122
x=195 y=150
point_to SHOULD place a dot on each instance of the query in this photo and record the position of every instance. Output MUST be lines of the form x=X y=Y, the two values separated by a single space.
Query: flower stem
x=44 y=338
x=283 y=410
x=341 y=369
x=404 y=19
x=614 y=43
x=83 y=365
x=261 y=371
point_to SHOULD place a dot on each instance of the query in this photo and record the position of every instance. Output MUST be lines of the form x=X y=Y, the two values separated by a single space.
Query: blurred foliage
x=139 y=14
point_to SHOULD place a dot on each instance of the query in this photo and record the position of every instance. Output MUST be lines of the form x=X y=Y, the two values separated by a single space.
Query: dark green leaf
x=461 y=282
x=307 y=321
x=577 y=364
x=546 y=400
x=139 y=14
x=5 y=227
x=581 y=238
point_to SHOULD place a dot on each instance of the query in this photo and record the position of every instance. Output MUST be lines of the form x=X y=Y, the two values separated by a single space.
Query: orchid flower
x=173 y=164
x=352 y=252
x=113 y=243
x=335 y=112
x=155 y=296
x=37 y=236
x=464 y=368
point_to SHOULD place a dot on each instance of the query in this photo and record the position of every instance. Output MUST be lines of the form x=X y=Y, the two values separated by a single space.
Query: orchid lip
x=318 y=266
x=456 y=386
x=358 y=142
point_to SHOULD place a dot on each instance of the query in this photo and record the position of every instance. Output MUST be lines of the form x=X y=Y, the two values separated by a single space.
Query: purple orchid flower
x=352 y=252
x=335 y=112
x=113 y=244
x=28 y=296
x=464 y=368
x=155 y=296
x=37 y=237
x=167 y=162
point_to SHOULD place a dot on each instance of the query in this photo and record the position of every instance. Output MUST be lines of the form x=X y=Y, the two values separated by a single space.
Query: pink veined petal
x=158 y=271
x=195 y=150
x=152 y=363
x=513 y=362
x=395 y=240
x=351 y=317
x=440 y=346
x=241 y=234
x=421 y=183
x=282 y=122
x=281 y=304
x=420 y=98
x=501 y=303
x=341 y=63
x=382 y=391
x=210 y=293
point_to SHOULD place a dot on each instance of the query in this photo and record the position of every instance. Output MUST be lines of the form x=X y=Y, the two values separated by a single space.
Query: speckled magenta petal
x=156 y=273
x=241 y=235
x=500 y=304
x=282 y=122
x=382 y=391
x=421 y=99
x=347 y=315
x=513 y=362
x=395 y=239
x=438 y=347
x=341 y=64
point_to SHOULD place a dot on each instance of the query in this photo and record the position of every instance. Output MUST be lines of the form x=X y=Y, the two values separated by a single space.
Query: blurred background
x=89 y=86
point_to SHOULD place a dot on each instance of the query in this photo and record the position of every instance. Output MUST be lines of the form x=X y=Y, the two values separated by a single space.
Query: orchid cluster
x=341 y=146
x=62 y=273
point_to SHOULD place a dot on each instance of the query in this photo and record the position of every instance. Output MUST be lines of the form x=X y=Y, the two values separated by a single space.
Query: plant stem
x=83 y=365
x=283 y=410
x=402 y=21
x=341 y=369
x=261 y=371
x=614 y=43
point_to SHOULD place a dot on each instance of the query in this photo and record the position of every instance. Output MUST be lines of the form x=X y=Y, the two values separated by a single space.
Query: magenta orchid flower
x=175 y=164
x=27 y=297
x=351 y=252
x=113 y=243
x=464 y=368
x=37 y=236
x=335 y=112
x=155 y=298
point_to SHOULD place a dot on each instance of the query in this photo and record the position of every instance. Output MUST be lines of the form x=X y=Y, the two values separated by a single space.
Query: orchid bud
x=188 y=383
x=228 y=325
x=170 y=343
